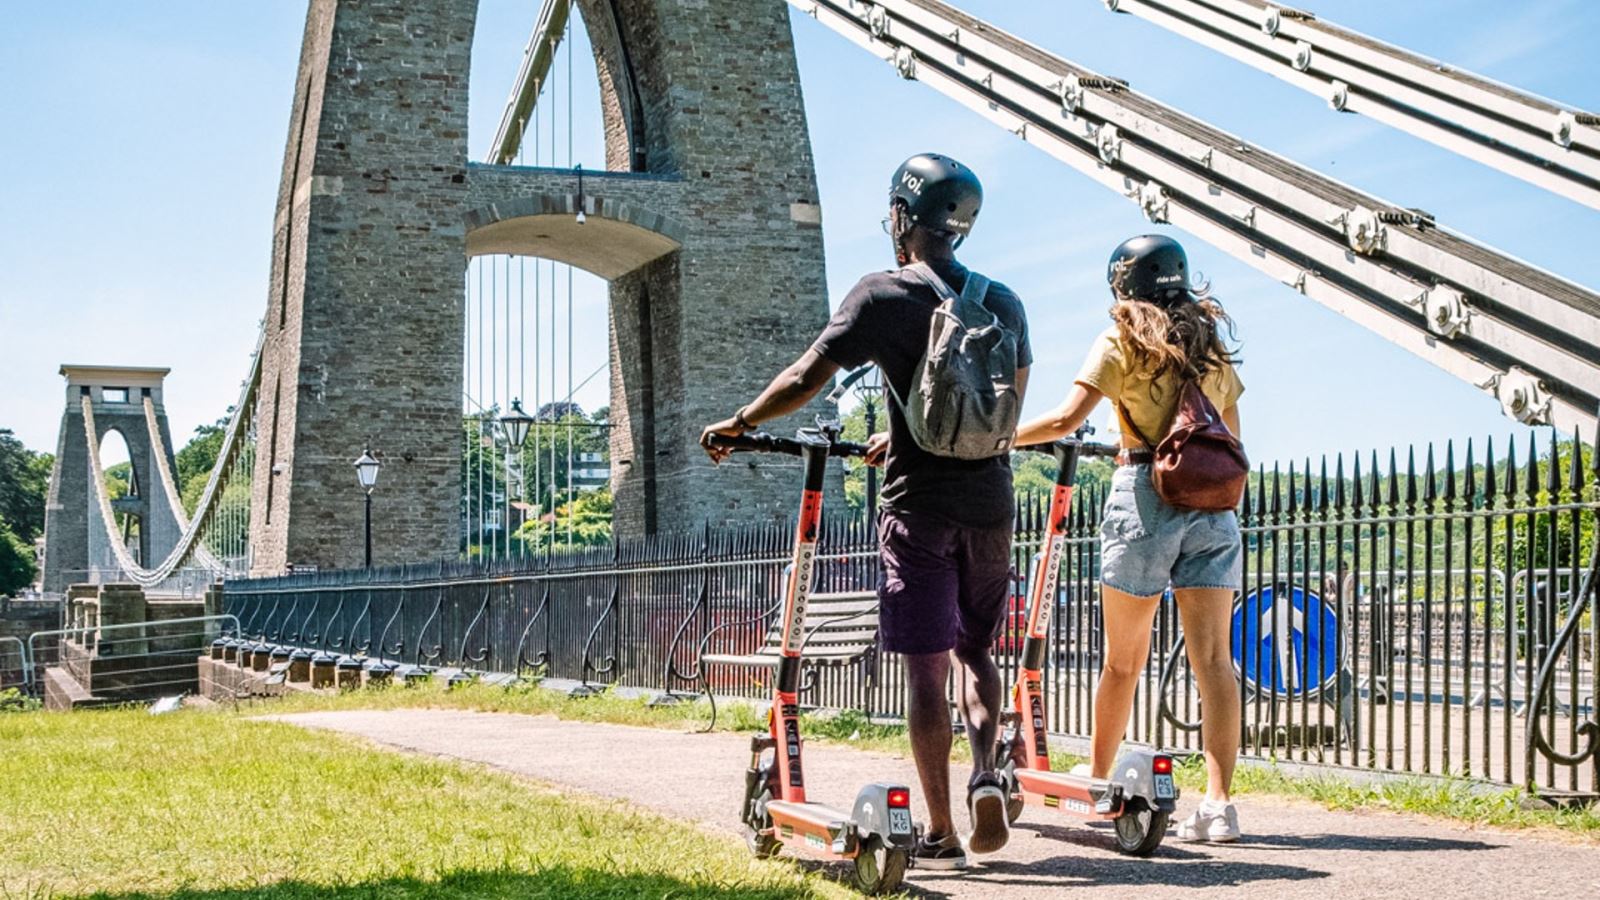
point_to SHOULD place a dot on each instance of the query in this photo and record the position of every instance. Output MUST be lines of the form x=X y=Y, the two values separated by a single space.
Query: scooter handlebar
x=761 y=442
x=1085 y=448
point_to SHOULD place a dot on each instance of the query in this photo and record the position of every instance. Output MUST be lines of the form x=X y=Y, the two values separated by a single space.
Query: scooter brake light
x=1162 y=765
x=899 y=798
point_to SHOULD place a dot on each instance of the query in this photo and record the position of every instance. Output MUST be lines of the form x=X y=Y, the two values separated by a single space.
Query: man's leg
x=981 y=696
x=984 y=602
x=928 y=721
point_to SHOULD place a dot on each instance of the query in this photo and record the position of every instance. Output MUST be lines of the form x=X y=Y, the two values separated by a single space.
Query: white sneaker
x=1081 y=770
x=1215 y=822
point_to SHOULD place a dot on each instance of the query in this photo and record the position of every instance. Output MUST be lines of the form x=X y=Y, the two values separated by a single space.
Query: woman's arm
x=1064 y=419
x=1230 y=418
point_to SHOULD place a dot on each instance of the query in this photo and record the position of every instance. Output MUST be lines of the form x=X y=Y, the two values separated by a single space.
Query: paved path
x=1292 y=849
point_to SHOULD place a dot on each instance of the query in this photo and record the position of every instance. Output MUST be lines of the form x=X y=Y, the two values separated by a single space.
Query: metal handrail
x=27 y=661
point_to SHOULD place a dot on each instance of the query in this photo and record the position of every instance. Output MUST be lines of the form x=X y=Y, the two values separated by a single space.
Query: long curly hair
x=1180 y=333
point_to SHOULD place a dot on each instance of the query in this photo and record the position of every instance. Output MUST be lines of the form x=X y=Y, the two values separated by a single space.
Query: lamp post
x=367 y=474
x=515 y=424
x=869 y=389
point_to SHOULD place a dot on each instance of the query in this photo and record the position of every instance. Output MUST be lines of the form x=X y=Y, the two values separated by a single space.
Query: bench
x=839 y=629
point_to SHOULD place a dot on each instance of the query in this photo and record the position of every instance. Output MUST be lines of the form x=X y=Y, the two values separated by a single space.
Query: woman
x=1165 y=332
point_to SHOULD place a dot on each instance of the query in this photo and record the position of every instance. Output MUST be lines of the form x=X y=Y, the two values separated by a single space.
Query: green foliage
x=17 y=566
x=196 y=460
x=586 y=521
x=542 y=464
x=13 y=700
x=24 y=484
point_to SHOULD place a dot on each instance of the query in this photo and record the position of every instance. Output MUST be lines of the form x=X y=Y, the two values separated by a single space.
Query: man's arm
x=789 y=392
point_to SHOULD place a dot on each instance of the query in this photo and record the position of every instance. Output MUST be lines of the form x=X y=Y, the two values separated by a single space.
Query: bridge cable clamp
x=1303 y=53
x=1446 y=310
x=1154 y=201
x=1338 y=95
x=905 y=63
x=1364 y=230
x=1271 y=21
x=1522 y=396
x=1071 y=90
x=1108 y=141
x=878 y=21
x=1112 y=5
x=1566 y=124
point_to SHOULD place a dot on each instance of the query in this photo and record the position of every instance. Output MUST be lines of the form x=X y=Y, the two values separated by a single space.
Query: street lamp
x=515 y=424
x=367 y=474
x=870 y=389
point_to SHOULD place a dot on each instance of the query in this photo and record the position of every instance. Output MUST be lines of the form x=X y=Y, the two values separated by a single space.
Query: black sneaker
x=942 y=854
x=986 y=802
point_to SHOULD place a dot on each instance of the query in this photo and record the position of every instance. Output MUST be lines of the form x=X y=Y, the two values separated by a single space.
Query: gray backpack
x=963 y=401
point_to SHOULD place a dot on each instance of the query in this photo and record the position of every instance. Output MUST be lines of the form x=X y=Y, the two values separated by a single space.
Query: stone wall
x=19 y=619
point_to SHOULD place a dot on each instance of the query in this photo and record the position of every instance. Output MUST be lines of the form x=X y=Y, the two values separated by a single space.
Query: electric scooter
x=1140 y=797
x=877 y=834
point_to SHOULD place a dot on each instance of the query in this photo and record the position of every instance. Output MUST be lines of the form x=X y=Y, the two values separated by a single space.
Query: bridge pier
x=708 y=226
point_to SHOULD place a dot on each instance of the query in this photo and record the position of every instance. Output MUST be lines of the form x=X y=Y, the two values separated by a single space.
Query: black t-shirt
x=885 y=320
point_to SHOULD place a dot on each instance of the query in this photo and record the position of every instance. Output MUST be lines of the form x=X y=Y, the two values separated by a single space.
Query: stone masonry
x=76 y=543
x=708 y=226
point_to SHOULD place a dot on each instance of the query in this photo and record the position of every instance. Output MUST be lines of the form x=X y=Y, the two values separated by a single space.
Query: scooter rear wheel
x=879 y=867
x=1140 y=829
x=764 y=846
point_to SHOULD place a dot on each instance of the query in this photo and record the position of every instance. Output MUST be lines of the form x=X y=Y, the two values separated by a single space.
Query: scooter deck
x=1088 y=797
x=815 y=826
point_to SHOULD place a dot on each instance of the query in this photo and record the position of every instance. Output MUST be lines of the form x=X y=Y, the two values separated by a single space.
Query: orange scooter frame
x=878 y=833
x=1140 y=797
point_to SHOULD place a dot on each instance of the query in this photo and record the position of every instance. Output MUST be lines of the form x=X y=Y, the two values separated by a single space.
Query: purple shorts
x=944 y=585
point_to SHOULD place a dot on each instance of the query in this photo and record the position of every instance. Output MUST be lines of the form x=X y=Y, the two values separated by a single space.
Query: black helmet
x=939 y=193
x=1151 y=267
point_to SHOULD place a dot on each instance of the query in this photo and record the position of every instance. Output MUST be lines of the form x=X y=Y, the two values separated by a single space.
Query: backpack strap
x=974 y=291
x=940 y=286
x=1127 y=415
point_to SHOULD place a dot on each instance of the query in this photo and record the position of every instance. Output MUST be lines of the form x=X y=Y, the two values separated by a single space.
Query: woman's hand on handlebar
x=730 y=427
x=877 y=449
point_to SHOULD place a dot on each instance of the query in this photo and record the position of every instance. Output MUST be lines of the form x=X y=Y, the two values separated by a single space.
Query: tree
x=24 y=484
x=17 y=566
x=196 y=460
x=588 y=517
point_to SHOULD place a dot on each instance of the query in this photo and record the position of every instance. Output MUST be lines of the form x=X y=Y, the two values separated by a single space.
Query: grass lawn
x=119 y=803
x=1459 y=800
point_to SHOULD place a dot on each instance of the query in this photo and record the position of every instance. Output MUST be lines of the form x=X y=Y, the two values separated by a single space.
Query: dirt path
x=1291 y=849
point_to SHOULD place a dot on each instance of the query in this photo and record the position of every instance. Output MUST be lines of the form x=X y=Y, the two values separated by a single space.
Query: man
x=945 y=525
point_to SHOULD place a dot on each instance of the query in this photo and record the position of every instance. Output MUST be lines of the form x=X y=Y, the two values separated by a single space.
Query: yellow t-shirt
x=1151 y=402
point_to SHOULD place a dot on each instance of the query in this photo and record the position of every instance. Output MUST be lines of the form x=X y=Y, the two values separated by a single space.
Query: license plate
x=899 y=821
x=1164 y=787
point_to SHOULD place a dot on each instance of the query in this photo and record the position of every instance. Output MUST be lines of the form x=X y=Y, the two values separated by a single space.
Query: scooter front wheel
x=879 y=867
x=1140 y=829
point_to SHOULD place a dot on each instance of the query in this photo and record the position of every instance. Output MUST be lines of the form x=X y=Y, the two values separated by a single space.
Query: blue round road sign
x=1286 y=645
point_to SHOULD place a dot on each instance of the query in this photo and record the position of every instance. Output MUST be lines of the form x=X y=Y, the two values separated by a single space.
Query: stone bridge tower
x=76 y=544
x=707 y=225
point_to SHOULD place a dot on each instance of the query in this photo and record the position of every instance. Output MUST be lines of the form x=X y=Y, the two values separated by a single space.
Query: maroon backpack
x=1200 y=464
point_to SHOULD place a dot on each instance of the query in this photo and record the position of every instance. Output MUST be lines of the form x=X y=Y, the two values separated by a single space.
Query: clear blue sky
x=143 y=144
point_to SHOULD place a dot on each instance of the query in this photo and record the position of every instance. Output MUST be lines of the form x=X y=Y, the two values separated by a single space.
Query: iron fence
x=1394 y=617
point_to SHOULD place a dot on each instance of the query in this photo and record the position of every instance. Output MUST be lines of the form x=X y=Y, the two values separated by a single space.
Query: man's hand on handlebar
x=731 y=426
x=877 y=449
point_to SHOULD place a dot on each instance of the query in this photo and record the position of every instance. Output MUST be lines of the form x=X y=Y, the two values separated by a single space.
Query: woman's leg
x=1127 y=637
x=1207 y=615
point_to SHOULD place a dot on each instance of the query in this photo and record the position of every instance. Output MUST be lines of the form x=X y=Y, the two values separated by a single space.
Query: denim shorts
x=1148 y=545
